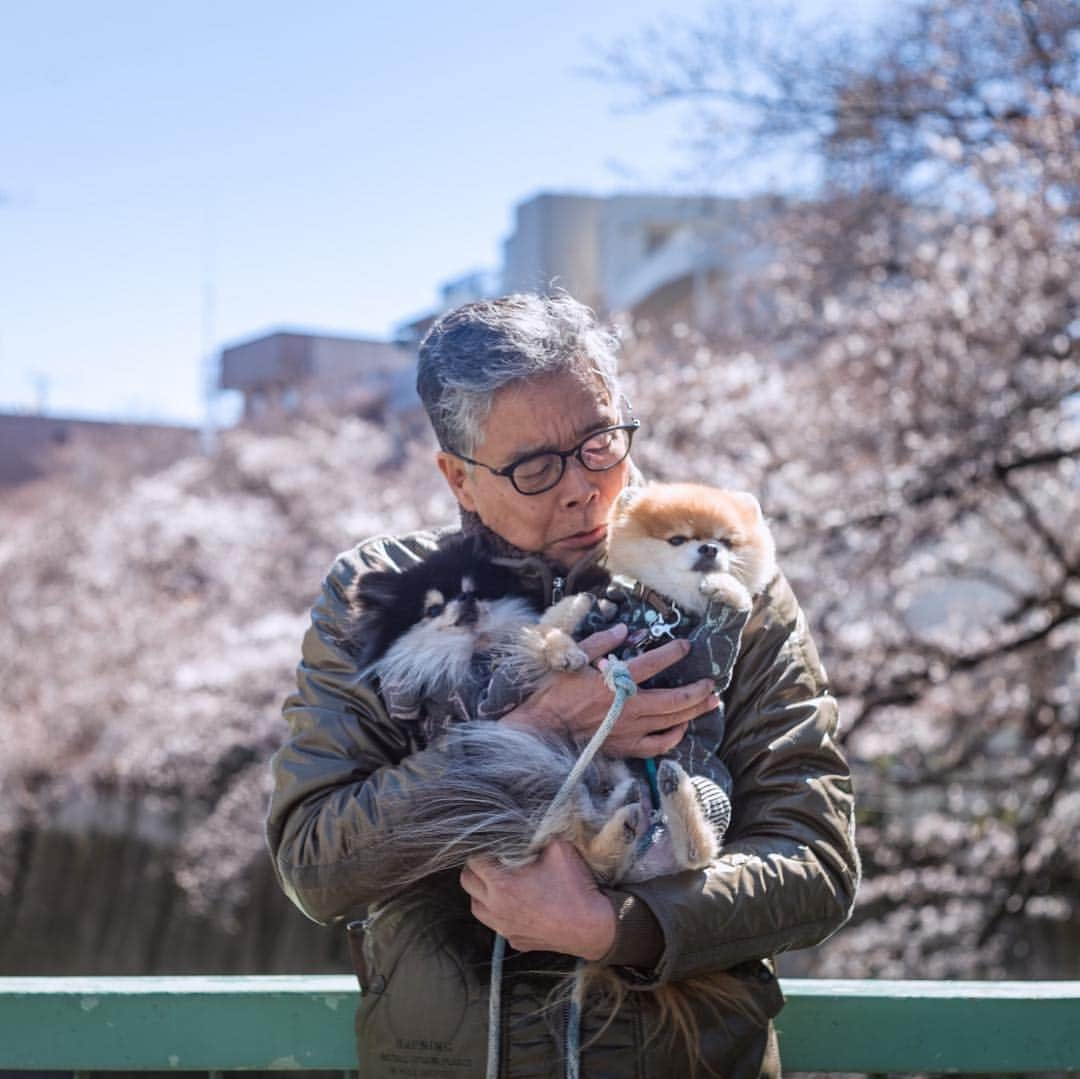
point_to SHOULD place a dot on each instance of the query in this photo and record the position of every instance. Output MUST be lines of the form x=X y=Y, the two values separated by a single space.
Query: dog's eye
x=726 y=541
x=434 y=610
x=677 y=541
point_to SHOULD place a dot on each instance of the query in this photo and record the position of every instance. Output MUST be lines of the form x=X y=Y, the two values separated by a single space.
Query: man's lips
x=589 y=538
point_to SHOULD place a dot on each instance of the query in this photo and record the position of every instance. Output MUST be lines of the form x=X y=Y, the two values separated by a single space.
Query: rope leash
x=573 y=1023
x=498 y=952
x=618 y=679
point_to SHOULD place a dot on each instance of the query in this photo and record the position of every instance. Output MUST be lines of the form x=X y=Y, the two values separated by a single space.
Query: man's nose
x=579 y=485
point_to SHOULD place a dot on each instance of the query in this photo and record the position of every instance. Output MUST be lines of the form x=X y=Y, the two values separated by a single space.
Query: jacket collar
x=542 y=574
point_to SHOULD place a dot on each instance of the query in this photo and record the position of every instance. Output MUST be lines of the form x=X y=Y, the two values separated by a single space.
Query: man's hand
x=652 y=722
x=551 y=905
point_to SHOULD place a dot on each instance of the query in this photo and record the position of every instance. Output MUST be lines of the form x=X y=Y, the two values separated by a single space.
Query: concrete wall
x=105 y=902
x=32 y=446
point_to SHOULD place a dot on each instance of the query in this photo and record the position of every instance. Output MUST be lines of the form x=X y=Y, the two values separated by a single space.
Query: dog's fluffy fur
x=424 y=626
x=496 y=792
x=692 y=543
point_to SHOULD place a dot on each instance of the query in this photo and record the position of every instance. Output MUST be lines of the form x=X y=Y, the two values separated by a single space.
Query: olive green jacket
x=785 y=878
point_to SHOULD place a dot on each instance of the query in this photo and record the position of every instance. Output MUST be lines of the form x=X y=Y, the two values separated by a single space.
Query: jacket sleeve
x=788 y=872
x=336 y=778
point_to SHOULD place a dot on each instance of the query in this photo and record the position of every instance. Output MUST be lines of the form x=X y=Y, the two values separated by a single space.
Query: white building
x=644 y=255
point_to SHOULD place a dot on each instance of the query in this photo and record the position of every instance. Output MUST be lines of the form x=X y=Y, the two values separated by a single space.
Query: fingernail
x=685 y=645
x=620 y=629
x=713 y=701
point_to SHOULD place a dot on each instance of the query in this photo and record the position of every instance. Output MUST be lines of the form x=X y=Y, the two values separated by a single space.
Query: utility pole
x=209 y=362
x=41 y=392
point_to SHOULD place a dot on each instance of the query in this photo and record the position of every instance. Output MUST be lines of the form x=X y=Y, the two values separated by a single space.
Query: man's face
x=551 y=413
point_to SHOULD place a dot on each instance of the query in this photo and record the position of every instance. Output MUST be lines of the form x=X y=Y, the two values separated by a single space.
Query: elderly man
x=522 y=394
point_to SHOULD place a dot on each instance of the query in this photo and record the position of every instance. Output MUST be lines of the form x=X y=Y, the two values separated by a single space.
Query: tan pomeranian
x=693 y=543
x=696 y=545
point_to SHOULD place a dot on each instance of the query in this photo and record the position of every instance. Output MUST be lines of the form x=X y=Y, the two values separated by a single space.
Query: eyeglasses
x=536 y=473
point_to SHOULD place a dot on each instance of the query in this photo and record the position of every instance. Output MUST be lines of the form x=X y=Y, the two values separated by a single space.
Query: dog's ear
x=745 y=498
x=377 y=591
x=370 y=602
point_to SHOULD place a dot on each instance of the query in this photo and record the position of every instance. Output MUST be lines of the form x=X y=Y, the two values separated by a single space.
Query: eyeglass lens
x=603 y=450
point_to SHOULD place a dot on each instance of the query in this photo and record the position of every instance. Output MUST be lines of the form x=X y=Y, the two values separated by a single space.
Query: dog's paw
x=672 y=779
x=668 y=777
x=693 y=839
x=723 y=588
x=562 y=652
x=632 y=818
x=568 y=613
x=610 y=853
x=607 y=609
x=700 y=846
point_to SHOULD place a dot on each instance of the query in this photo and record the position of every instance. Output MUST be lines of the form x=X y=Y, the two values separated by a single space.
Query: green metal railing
x=232 y=1023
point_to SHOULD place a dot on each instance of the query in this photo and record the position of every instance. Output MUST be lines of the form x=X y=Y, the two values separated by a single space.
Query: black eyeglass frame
x=508 y=470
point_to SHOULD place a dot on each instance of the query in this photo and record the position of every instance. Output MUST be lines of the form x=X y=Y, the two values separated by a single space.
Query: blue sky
x=325 y=165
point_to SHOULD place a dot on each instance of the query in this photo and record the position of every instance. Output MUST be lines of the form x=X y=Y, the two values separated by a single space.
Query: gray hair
x=477 y=349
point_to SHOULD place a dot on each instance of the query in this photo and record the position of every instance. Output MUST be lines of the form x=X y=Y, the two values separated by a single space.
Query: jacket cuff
x=639 y=941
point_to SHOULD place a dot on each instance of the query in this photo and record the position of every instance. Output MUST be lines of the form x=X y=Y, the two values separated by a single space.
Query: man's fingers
x=656 y=719
x=659 y=742
x=665 y=703
x=599 y=644
x=643 y=667
x=699 y=709
x=647 y=725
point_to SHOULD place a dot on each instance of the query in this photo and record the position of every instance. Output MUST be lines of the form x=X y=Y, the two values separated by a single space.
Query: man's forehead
x=546 y=416
x=560 y=433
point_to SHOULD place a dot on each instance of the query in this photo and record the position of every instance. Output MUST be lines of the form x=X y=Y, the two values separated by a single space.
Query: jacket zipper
x=558 y=584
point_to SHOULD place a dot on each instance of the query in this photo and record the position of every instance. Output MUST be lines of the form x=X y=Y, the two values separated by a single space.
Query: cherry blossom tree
x=899 y=385
x=901 y=388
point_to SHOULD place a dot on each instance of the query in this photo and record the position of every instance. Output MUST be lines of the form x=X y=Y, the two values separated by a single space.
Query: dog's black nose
x=468 y=610
x=708 y=551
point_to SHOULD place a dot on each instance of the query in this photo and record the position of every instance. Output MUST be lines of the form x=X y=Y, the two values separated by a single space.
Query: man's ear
x=456 y=473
